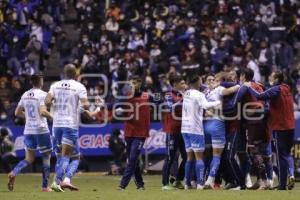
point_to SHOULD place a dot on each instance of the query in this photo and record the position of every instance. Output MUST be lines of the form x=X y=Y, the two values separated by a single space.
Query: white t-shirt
x=67 y=94
x=194 y=102
x=31 y=101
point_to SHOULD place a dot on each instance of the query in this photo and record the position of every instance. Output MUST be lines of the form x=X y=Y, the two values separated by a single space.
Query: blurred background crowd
x=151 y=38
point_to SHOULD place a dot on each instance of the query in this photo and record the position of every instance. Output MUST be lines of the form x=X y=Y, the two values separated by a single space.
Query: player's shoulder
x=40 y=92
x=76 y=84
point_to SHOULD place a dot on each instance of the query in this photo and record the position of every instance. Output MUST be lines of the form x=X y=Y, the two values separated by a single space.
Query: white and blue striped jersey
x=31 y=101
x=194 y=103
x=67 y=94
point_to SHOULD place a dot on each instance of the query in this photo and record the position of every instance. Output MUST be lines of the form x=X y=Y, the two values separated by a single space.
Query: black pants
x=283 y=141
x=134 y=146
x=174 y=143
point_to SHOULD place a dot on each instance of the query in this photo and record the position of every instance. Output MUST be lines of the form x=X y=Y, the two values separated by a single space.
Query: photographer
x=7 y=154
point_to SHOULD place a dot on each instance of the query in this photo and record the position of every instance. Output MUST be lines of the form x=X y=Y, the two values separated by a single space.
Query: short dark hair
x=175 y=79
x=209 y=74
x=193 y=78
x=248 y=73
x=135 y=78
x=36 y=79
x=279 y=75
x=4 y=132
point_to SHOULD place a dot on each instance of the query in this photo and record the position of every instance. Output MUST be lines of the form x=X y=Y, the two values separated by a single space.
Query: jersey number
x=30 y=110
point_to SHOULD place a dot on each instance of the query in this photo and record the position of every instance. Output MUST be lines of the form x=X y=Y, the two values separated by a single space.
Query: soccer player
x=194 y=103
x=280 y=121
x=172 y=126
x=36 y=132
x=214 y=125
x=259 y=141
x=68 y=95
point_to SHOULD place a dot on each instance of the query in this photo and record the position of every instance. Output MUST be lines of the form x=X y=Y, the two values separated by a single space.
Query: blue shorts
x=214 y=133
x=41 y=142
x=193 y=142
x=66 y=136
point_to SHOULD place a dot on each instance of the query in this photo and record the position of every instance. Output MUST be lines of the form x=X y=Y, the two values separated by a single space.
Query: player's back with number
x=31 y=101
x=67 y=94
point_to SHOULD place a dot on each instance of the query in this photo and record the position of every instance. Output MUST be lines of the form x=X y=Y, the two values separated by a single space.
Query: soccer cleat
x=56 y=188
x=178 y=185
x=47 y=189
x=188 y=187
x=256 y=185
x=228 y=186
x=194 y=184
x=121 y=188
x=291 y=183
x=68 y=185
x=200 y=187
x=168 y=187
x=208 y=186
x=235 y=188
x=248 y=181
x=142 y=188
x=217 y=186
x=11 y=181
x=172 y=179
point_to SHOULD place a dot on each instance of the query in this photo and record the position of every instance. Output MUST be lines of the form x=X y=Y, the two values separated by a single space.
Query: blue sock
x=61 y=168
x=57 y=162
x=269 y=167
x=214 y=166
x=291 y=166
x=188 y=167
x=72 y=168
x=200 y=171
x=21 y=165
x=46 y=170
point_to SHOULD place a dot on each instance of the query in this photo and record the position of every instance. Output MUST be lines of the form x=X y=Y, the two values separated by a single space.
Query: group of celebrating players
x=227 y=127
x=221 y=128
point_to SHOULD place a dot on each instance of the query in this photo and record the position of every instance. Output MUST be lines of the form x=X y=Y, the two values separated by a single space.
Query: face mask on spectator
x=15 y=39
x=103 y=39
x=89 y=9
x=90 y=27
x=257 y=18
x=190 y=14
x=146 y=6
x=85 y=39
x=191 y=46
x=240 y=13
x=3 y=116
x=269 y=13
x=33 y=27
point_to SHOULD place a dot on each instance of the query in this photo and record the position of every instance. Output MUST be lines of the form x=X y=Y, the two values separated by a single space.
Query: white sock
x=210 y=180
x=67 y=180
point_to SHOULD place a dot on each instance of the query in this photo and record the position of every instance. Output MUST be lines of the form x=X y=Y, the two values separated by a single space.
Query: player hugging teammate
x=225 y=143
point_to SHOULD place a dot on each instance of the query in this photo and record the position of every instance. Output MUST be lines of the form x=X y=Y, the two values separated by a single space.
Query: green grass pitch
x=96 y=186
